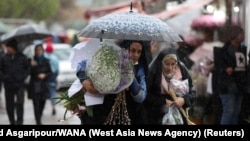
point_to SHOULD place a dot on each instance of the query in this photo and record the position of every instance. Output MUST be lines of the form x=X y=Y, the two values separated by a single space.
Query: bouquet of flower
x=109 y=69
x=74 y=103
x=104 y=70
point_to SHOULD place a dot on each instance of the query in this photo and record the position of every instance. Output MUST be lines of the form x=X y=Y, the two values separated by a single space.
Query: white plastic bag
x=172 y=117
x=181 y=87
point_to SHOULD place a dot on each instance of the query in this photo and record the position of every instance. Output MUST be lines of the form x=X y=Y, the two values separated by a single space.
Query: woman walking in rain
x=170 y=88
x=38 y=87
x=139 y=54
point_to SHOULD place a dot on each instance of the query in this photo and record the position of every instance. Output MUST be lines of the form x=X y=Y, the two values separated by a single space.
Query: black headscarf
x=155 y=100
x=155 y=74
x=146 y=56
x=39 y=59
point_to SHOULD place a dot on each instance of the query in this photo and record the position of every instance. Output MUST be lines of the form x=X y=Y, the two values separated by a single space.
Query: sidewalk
x=47 y=118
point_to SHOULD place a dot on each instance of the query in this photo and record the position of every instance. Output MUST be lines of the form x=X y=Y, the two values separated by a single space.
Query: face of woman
x=135 y=51
x=169 y=65
x=39 y=51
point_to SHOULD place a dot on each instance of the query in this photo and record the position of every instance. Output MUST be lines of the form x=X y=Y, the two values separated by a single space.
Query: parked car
x=66 y=75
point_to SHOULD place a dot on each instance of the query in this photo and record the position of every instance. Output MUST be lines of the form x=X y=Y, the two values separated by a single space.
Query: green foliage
x=72 y=103
x=30 y=9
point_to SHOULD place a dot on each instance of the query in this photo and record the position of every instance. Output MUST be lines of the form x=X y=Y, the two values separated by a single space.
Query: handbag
x=37 y=86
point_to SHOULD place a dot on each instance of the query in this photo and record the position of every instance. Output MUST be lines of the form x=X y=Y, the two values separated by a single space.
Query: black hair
x=12 y=43
x=234 y=31
x=146 y=56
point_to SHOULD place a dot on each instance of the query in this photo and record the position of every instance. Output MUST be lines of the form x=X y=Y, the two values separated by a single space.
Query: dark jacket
x=14 y=71
x=39 y=88
x=239 y=64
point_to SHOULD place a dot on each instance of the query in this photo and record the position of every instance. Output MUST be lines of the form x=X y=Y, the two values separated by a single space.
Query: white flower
x=104 y=69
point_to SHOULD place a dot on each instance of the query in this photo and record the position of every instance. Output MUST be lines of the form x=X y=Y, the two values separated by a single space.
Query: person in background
x=2 y=53
x=75 y=40
x=54 y=65
x=232 y=75
x=183 y=51
x=153 y=48
x=167 y=72
x=38 y=89
x=14 y=69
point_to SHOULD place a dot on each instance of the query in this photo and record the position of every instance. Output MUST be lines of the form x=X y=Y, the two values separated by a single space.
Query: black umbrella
x=27 y=32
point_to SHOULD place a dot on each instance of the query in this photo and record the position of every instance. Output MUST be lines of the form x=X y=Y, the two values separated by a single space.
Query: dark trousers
x=14 y=101
x=39 y=105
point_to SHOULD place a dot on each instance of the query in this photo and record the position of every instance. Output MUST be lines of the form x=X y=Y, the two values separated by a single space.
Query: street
x=47 y=118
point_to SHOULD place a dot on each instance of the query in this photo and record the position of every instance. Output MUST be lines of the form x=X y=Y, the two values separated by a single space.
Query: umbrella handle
x=131 y=7
x=102 y=34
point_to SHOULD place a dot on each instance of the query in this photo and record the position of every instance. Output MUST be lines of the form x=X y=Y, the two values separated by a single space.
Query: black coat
x=229 y=59
x=39 y=88
x=14 y=70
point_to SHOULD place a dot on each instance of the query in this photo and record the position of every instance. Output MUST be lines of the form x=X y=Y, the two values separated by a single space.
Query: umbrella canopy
x=27 y=32
x=130 y=26
x=4 y=28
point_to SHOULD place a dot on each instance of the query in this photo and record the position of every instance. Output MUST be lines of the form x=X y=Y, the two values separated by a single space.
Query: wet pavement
x=47 y=119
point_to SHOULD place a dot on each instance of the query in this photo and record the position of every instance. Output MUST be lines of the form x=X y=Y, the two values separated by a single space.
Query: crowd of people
x=174 y=68
x=15 y=67
x=165 y=89
x=221 y=72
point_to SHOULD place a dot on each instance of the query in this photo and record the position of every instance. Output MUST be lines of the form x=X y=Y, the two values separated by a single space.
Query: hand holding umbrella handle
x=172 y=94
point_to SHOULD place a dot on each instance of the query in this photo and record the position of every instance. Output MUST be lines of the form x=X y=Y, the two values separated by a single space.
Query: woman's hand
x=33 y=62
x=169 y=102
x=88 y=86
x=229 y=70
x=41 y=76
x=179 y=102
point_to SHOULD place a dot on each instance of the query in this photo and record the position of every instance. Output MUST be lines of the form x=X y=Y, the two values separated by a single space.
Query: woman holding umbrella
x=139 y=53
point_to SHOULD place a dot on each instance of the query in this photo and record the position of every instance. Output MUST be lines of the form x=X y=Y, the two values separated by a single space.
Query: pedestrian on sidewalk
x=52 y=81
x=38 y=89
x=14 y=69
x=232 y=75
x=167 y=73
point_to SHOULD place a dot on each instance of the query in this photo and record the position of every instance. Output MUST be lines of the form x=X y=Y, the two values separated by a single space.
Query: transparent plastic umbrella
x=130 y=26
x=27 y=32
x=83 y=53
